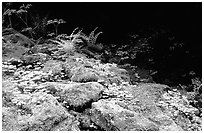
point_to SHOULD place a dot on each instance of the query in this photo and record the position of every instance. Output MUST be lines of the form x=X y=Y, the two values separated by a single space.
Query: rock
x=136 y=113
x=14 y=36
x=77 y=96
x=15 y=51
x=112 y=117
x=46 y=48
x=80 y=71
x=69 y=124
x=87 y=70
x=54 y=67
x=84 y=94
x=84 y=74
x=9 y=120
x=113 y=74
x=8 y=87
x=41 y=113
x=34 y=58
x=85 y=122
x=8 y=70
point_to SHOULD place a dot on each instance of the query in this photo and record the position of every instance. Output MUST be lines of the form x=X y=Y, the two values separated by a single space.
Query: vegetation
x=35 y=43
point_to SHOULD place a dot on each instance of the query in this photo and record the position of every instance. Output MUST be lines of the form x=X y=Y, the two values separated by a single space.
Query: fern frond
x=96 y=36
x=91 y=35
x=93 y=38
x=74 y=31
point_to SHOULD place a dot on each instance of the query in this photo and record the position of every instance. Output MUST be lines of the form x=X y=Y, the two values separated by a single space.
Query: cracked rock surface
x=45 y=92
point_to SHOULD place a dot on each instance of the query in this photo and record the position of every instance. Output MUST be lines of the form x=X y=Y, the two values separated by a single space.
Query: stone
x=41 y=113
x=84 y=74
x=77 y=96
x=112 y=117
x=69 y=124
x=54 y=67
x=136 y=113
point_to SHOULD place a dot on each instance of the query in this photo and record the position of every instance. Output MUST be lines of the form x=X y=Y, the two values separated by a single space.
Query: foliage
x=7 y=12
x=195 y=93
x=80 y=42
x=90 y=40
x=32 y=24
x=39 y=24
x=56 y=23
x=21 y=13
x=133 y=50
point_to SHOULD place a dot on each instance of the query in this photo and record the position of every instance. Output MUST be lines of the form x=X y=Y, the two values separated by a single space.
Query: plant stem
x=10 y=24
x=26 y=25
x=56 y=27
x=26 y=18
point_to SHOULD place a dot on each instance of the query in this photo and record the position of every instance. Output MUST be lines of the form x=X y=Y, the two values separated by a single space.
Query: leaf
x=51 y=34
x=28 y=6
x=74 y=31
x=6 y=12
x=26 y=29
x=92 y=38
x=8 y=3
x=23 y=6
x=61 y=21
x=21 y=11
x=9 y=12
x=91 y=35
x=96 y=36
x=55 y=21
x=50 y=22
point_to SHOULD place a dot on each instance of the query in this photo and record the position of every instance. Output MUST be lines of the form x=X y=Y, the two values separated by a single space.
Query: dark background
x=119 y=19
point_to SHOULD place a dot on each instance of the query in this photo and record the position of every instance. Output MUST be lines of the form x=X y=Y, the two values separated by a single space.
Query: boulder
x=40 y=112
x=77 y=96
x=83 y=74
x=112 y=117
x=87 y=70
x=132 y=108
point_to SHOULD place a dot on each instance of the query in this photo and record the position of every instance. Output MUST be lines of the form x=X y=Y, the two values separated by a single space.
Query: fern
x=92 y=37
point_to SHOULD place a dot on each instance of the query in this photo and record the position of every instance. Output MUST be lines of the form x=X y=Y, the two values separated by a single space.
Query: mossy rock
x=53 y=66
